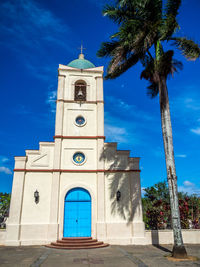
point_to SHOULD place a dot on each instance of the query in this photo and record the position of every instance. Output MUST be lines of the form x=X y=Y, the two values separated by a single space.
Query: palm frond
x=168 y=27
x=146 y=10
x=170 y=24
x=128 y=3
x=189 y=48
x=138 y=35
x=130 y=29
x=167 y=66
x=147 y=61
x=172 y=7
x=164 y=64
x=117 y=14
x=151 y=11
x=154 y=69
x=152 y=90
x=177 y=65
x=107 y=49
x=149 y=74
x=149 y=64
x=120 y=63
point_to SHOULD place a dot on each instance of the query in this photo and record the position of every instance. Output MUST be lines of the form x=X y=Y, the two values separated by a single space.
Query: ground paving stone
x=18 y=256
x=113 y=256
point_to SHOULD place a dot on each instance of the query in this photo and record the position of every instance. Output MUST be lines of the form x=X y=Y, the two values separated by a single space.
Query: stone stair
x=77 y=243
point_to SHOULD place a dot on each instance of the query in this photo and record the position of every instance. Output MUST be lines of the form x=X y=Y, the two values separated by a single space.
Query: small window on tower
x=80 y=91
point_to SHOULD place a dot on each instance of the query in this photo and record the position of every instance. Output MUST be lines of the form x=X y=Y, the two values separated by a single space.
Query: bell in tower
x=80 y=91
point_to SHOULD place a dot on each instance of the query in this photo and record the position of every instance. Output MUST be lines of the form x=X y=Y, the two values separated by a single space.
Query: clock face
x=78 y=158
x=80 y=121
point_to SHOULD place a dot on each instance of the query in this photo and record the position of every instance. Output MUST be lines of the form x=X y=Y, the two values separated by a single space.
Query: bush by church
x=4 y=208
x=156 y=208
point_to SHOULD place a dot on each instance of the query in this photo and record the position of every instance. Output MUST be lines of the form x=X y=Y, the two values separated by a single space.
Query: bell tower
x=80 y=99
x=79 y=128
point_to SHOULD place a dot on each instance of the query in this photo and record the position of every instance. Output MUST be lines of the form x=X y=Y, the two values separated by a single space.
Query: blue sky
x=36 y=36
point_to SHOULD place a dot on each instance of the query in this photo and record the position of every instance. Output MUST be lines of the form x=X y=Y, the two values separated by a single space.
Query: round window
x=79 y=158
x=80 y=121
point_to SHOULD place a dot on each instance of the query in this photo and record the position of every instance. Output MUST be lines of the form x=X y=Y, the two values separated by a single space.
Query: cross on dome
x=81 y=62
x=81 y=55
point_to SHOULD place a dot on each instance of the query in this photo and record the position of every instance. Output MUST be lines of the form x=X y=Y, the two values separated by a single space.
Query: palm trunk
x=179 y=250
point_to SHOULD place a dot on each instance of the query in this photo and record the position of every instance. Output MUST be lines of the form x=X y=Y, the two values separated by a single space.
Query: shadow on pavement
x=155 y=241
x=162 y=248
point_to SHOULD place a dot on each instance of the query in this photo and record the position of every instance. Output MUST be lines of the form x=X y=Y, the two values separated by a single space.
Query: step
x=83 y=247
x=77 y=238
x=76 y=241
x=76 y=245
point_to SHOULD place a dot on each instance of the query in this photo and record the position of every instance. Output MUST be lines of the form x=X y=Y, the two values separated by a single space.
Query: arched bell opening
x=80 y=91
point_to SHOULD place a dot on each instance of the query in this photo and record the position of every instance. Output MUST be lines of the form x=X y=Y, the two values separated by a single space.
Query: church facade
x=78 y=185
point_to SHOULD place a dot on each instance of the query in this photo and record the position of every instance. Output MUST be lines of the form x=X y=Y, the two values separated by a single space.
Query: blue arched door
x=77 y=213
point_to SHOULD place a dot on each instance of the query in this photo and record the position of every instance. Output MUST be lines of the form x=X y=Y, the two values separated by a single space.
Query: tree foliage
x=144 y=29
x=4 y=206
x=145 y=26
x=157 y=213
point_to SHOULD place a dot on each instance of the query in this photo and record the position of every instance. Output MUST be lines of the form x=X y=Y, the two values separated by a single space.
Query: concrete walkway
x=113 y=256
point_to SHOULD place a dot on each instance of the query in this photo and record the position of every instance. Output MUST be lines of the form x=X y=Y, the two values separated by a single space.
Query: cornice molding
x=74 y=170
x=78 y=102
x=79 y=137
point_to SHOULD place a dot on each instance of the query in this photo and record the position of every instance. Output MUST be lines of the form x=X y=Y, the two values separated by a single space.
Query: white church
x=78 y=186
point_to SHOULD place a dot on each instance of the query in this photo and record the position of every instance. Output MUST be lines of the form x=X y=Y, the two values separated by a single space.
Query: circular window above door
x=80 y=121
x=79 y=158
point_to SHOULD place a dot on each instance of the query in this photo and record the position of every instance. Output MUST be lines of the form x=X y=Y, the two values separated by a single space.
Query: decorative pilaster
x=101 y=226
x=53 y=229
x=60 y=106
x=14 y=221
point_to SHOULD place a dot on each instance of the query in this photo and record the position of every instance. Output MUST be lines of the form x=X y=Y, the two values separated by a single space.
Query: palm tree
x=145 y=27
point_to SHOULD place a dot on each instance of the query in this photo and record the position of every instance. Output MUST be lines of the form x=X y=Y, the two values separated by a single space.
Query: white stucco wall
x=190 y=236
x=151 y=237
x=72 y=111
x=32 y=212
x=42 y=158
x=2 y=237
x=87 y=146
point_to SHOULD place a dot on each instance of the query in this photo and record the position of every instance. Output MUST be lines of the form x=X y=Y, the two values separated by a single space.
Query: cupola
x=81 y=63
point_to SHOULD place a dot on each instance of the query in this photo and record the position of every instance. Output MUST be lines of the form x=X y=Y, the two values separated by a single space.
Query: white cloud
x=188 y=183
x=120 y=130
x=142 y=191
x=3 y=159
x=115 y=133
x=180 y=155
x=189 y=188
x=186 y=106
x=192 y=103
x=5 y=170
x=51 y=100
x=134 y=112
x=196 y=131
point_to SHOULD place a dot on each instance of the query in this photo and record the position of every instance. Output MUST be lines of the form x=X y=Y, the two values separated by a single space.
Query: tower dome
x=81 y=63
